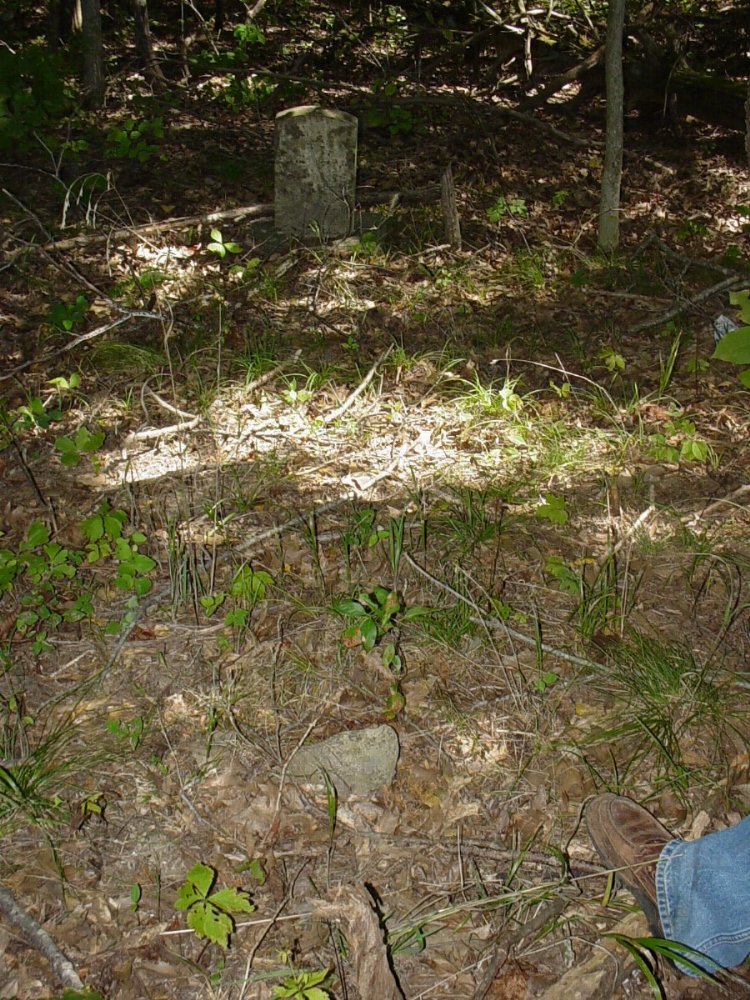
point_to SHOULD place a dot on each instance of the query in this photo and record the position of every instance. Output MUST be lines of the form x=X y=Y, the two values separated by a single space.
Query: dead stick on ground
x=628 y=533
x=734 y=281
x=341 y=410
x=66 y=265
x=497 y=623
x=272 y=830
x=38 y=938
x=62 y=350
x=264 y=379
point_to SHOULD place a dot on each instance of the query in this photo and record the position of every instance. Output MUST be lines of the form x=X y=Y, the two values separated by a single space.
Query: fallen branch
x=505 y=942
x=569 y=76
x=62 y=968
x=62 y=350
x=496 y=623
x=254 y=212
x=341 y=410
x=734 y=281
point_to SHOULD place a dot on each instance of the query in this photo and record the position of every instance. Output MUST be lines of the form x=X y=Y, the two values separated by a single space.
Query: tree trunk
x=64 y=17
x=93 y=54
x=144 y=45
x=609 y=206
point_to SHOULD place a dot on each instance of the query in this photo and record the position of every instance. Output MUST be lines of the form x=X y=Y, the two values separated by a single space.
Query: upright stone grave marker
x=316 y=171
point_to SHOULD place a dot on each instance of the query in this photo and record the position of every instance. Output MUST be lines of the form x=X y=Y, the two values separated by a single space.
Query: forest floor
x=523 y=545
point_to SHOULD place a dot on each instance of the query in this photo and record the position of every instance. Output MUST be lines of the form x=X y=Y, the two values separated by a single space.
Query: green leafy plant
x=248 y=588
x=42 y=570
x=65 y=386
x=614 y=362
x=304 y=986
x=296 y=396
x=107 y=539
x=220 y=247
x=503 y=207
x=553 y=509
x=211 y=914
x=249 y=34
x=373 y=617
x=735 y=346
x=32 y=97
x=67 y=316
x=545 y=680
x=490 y=400
x=382 y=113
x=132 y=731
x=680 y=443
x=82 y=443
x=33 y=414
x=135 y=139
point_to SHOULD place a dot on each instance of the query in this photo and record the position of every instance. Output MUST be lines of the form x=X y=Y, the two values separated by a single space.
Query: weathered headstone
x=316 y=170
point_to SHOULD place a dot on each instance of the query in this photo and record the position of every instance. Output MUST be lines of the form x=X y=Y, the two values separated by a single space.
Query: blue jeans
x=703 y=893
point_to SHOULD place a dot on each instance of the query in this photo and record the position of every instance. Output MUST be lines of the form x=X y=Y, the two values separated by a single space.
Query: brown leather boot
x=629 y=839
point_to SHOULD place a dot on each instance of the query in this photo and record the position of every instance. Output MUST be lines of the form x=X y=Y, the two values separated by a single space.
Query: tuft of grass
x=121 y=358
x=489 y=401
x=37 y=784
x=675 y=721
x=473 y=519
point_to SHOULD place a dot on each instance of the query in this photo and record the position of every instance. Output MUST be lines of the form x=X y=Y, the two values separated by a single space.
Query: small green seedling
x=679 y=443
x=504 y=207
x=136 y=140
x=255 y=868
x=34 y=414
x=545 y=681
x=210 y=914
x=570 y=582
x=82 y=443
x=67 y=316
x=374 y=616
x=553 y=509
x=220 y=247
x=613 y=362
x=136 y=893
x=304 y=986
x=65 y=385
x=132 y=731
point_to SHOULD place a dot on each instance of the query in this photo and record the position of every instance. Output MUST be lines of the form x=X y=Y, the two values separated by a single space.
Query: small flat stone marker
x=315 y=171
x=357 y=761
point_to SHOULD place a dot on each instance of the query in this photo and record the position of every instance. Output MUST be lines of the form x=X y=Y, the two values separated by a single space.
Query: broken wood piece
x=451 y=219
x=353 y=909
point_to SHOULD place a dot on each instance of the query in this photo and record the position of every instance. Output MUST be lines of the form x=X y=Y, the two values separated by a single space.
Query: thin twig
x=734 y=281
x=492 y=622
x=66 y=265
x=340 y=410
x=273 y=828
x=68 y=347
x=264 y=379
x=505 y=941
x=628 y=533
x=159 y=432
